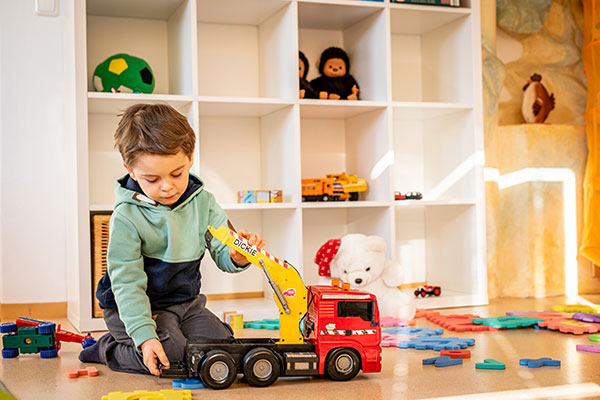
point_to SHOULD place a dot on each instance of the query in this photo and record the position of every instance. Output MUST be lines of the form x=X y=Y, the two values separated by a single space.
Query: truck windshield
x=360 y=309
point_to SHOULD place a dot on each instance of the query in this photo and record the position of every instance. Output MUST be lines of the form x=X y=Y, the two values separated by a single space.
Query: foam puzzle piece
x=568 y=325
x=392 y=337
x=587 y=317
x=459 y=322
x=422 y=313
x=456 y=353
x=490 y=363
x=165 y=394
x=509 y=321
x=540 y=314
x=594 y=338
x=437 y=343
x=593 y=348
x=573 y=308
x=540 y=362
x=189 y=383
x=391 y=321
x=263 y=324
x=443 y=361
x=74 y=372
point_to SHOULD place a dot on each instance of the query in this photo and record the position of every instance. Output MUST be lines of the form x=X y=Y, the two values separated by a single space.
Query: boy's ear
x=130 y=172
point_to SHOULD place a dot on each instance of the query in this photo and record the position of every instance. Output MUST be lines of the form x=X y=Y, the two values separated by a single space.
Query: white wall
x=36 y=99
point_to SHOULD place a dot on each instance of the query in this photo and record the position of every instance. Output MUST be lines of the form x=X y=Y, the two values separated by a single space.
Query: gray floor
x=403 y=375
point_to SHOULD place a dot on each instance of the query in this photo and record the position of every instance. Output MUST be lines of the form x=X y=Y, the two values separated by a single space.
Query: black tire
x=354 y=196
x=325 y=197
x=423 y=292
x=304 y=198
x=218 y=370
x=437 y=291
x=342 y=364
x=261 y=367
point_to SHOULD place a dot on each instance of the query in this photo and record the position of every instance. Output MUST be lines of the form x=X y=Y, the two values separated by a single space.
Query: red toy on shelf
x=428 y=290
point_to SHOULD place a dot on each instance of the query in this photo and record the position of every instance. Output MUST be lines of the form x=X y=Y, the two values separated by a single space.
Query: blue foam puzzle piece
x=443 y=361
x=540 y=362
x=189 y=383
x=409 y=330
x=437 y=343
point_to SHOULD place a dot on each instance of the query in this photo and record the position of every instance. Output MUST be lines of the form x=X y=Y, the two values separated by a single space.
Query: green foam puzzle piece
x=490 y=363
x=509 y=321
x=263 y=324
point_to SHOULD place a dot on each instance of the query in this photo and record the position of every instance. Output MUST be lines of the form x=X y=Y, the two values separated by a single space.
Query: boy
x=150 y=292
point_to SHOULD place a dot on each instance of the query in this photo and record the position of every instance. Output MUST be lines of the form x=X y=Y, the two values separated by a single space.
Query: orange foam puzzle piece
x=89 y=371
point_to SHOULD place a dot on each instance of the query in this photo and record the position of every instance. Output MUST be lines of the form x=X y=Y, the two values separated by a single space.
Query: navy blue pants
x=174 y=325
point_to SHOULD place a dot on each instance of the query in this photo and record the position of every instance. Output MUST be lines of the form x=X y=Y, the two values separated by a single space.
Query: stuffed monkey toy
x=306 y=91
x=335 y=81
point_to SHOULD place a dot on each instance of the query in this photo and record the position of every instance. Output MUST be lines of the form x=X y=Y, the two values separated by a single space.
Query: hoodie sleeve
x=129 y=280
x=218 y=251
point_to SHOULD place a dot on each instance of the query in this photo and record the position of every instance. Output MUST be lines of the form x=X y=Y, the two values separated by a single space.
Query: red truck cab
x=340 y=318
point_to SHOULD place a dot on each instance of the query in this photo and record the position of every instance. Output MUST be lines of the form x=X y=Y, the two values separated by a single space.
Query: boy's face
x=163 y=178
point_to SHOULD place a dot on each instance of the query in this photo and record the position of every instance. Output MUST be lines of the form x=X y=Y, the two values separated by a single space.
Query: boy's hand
x=252 y=238
x=152 y=349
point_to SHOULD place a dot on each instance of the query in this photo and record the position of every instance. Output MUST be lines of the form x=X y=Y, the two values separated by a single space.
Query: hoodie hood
x=128 y=190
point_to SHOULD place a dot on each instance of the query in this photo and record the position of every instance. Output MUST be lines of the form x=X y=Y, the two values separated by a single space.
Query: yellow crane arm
x=288 y=289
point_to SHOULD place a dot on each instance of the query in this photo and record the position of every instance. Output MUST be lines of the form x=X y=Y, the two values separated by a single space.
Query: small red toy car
x=428 y=291
x=399 y=196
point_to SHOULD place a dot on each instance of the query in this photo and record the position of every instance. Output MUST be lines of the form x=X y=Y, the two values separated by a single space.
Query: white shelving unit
x=231 y=68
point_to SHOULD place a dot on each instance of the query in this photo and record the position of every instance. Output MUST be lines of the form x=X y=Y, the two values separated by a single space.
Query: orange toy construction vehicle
x=335 y=187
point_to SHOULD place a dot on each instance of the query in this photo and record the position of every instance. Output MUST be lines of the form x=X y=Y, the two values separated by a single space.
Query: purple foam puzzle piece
x=587 y=317
x=593 y=348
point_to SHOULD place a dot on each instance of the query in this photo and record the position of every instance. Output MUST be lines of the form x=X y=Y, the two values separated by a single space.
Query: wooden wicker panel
x=99 y=248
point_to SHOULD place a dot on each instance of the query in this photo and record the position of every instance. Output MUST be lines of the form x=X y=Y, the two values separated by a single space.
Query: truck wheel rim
x=219 y=371
x=262 y=369
x=344 y=363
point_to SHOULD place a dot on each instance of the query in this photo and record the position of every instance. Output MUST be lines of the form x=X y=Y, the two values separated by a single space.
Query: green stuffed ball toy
x=124 y=73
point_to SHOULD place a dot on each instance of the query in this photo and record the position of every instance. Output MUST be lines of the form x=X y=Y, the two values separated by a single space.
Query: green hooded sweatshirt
x=154 y=253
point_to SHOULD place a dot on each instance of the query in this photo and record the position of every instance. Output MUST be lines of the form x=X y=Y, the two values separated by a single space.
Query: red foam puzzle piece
x=569 y=325
x=459 y=323
x=422 y=313
x=456 y=353
x=89 y=371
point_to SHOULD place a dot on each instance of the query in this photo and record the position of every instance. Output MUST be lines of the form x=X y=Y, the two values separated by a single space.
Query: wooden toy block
x=456 y=353
x=593 y=348
x=443 y=361
x=490 y=363
x=276 y=196
x=459 y=323
x=540 y=362
x=74 y=372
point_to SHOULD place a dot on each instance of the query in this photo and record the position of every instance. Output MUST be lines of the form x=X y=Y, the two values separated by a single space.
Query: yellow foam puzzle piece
x=165 y=394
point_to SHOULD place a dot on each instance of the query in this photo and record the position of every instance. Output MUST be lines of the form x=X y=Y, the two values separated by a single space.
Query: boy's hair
x=153 y=129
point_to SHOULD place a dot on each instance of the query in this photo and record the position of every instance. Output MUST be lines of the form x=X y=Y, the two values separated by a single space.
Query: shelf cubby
x=322 y=224
x=157 y=31
x=245 y=49
x=249 y=152
x=356 y=145
x=430 y=61
x=436 y=156
x=359 y=29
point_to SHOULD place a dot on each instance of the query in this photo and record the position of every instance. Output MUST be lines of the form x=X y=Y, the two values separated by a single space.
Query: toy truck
x=351 y=184
x=324 y=330
x=29 y=335
x=321 y=189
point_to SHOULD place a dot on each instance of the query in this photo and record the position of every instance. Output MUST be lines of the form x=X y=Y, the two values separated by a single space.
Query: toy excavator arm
x=288 y=289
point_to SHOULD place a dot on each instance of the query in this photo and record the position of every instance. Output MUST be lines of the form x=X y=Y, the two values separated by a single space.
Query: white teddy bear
x=360 y=261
